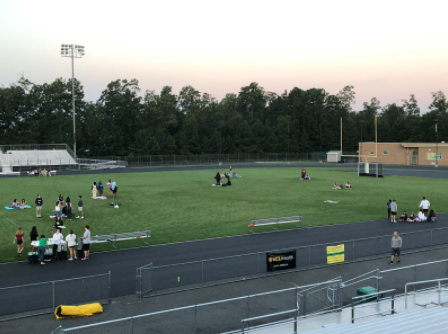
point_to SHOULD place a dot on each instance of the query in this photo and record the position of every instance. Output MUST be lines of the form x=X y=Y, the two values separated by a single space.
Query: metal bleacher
x=418 y=321
x=36 y=158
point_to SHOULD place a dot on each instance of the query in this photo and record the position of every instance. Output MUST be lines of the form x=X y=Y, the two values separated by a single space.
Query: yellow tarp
x=335 y=254
x=65 y=312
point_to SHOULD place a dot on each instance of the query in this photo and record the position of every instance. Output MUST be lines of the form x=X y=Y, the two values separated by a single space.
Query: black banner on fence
x=281 y=261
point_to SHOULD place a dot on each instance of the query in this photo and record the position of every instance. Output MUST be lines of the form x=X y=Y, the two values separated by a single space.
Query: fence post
x=309 y=257
x=110 y=288
x=431 y=240
x=415 y=275
x=132 y=326
x=52 y=283
x=353 y=250
x=258 y=264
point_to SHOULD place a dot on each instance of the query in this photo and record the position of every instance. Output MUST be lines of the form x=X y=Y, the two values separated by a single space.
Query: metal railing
x=438 y=289
x=216 y=271
x=27 y=147
x=223 y=316
x=42 y=298
x=359 y=299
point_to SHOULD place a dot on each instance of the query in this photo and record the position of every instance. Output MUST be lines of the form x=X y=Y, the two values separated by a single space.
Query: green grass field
x=181 y=206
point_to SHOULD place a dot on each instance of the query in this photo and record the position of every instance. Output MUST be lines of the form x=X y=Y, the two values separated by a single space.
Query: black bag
x=80 y=253
x=62 y=255
x=33 y=258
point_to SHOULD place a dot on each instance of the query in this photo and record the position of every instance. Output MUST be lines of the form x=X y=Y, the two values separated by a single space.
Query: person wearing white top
x=57 y=238
x=424 y=204
x=71 y=243
x=421 y=216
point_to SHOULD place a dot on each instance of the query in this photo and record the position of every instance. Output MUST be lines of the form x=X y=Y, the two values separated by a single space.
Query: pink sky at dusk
x=386 y=49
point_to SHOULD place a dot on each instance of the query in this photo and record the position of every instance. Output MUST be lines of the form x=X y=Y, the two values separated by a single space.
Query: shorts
x=85 y=247
x=38 y=208
x=80 y=208
x=425 y=211
x=19 y=242
x=115 y=190
x=72 y=246
x=393 y=213
x=395 y=251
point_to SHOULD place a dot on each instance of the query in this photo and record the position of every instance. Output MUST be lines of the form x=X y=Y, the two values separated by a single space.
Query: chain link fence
x=164 y=279
x=224 y=316
x=227 y=159
x=41 y=298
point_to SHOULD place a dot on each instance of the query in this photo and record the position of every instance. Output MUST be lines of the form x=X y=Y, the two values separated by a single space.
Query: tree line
x=125 y=122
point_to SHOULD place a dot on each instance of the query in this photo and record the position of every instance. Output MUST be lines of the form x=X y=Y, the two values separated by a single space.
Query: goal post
x=373 y=169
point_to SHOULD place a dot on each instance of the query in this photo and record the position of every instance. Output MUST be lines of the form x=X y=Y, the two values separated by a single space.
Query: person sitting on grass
x=303 y=174
x=307 y=177
x=15 y=205
x=432 y=216
x=31 y=173
x=58 y=222
x=348 y=185
x=335 y=186
x=403 y=217
x=57 y=209
x=23 y=204
x=228 y=182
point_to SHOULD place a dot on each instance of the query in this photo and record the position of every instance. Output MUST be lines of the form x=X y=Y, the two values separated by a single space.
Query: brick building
x=406 y=153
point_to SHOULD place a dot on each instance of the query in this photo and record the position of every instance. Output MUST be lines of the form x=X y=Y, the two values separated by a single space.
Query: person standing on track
x=424 y=204
x=393 y=211
x=388 y=208
x=39 y=201
x=86 y=243
x=396 y=244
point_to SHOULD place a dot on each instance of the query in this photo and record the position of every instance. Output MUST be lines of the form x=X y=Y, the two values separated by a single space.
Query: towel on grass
x=332 y=202
x=101 y=197
x=19 y=207
x=63 y=216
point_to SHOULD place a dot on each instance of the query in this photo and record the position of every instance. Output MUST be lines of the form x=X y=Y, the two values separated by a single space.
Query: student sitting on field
x=421 y=216
x=228 y=182
x=432 y=216
x=335 y=186
x=307 y=177
x=403 y=217
x=23 y=204
x=348 y=185
x=15 y=204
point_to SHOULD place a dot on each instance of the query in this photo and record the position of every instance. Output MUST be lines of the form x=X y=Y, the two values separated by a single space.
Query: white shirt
x=57 y=237
x=424 y=204
x=71 y=240
x=421 y=216
x=57 y=208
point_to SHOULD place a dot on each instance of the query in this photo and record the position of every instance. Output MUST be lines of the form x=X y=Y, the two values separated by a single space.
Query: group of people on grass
x=39 y=172
x=19 y=239
x=305 y=176
x=347 y=186
x=226 y=175
x=65 y=209
x=111 y=189
x=422 y=216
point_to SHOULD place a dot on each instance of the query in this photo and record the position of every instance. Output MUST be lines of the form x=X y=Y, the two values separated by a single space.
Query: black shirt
x=39 y=201
x=33 y=236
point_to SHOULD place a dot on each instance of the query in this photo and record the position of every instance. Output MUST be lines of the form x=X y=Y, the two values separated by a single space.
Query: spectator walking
x=80 y=208
x=19 y=240
x=94 y=190
x=39 y=201
x=34 y=236
x=86 y=243
x=393 y=211
x=388 y=208
x=424 y=204
x=71 y=243
x=42 y=246
x=396 y=244
x=100 y=188
x=57 y=238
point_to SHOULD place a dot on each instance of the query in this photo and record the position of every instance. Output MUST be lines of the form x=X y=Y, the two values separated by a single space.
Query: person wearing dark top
x=80 y=209
x=218 y=179
x=432 y=216
x=68 y=205
x=100 y=188
x=228 y=182
x=388 y=208
x=39 y=201
x=34 y=236
x=58 y=222
x=403 y=217
x=61 y=199
x=303 y=173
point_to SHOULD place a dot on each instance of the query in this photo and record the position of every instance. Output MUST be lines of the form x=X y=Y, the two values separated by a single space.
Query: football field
x=182 y=205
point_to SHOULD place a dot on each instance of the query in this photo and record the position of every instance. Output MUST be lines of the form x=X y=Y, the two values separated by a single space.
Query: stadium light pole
x=73 y=51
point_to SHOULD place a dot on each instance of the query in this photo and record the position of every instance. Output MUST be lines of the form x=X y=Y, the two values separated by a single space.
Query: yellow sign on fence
x=335 y=254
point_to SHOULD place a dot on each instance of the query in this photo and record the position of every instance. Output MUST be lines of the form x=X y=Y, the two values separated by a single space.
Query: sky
x=385 y=49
